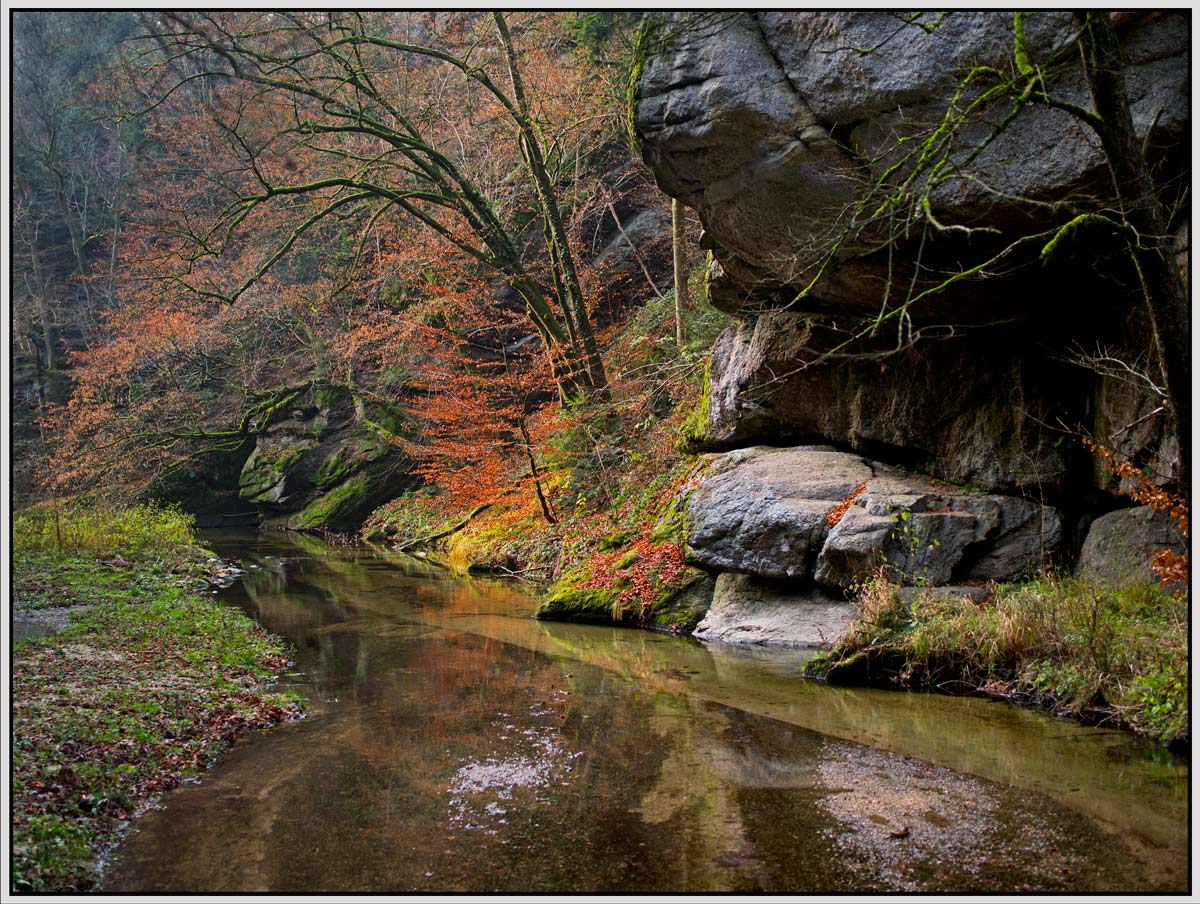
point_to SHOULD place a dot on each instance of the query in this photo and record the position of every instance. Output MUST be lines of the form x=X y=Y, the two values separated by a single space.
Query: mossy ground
x=1114 y=654
x=148 y=682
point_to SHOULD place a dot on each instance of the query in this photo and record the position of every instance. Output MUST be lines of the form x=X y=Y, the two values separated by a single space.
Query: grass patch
x=97 y=529
x=1116 y=654
x=145 y=687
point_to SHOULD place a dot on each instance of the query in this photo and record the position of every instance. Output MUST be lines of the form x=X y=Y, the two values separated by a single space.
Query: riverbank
x=1108 y=654
x=144 y=684
x=1113 y=654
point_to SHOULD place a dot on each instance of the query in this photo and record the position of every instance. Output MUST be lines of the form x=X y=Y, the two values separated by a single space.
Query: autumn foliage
x=649 y=568
x=1170 y=566
x=270 y=241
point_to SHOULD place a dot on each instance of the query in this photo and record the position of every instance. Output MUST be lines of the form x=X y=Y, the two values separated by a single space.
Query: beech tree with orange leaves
x=341 y=115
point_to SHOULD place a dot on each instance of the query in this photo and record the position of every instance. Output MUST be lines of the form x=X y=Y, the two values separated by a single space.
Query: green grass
x=98 y=529
x=1116 y=654
x=144 y=687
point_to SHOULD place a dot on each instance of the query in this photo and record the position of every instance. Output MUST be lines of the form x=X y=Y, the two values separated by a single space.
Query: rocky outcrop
x=780 y=127
x=318 y=458
x=913 y=330
x=971 y=411
x=815 y=514
x=771 y=123
x=325 y=462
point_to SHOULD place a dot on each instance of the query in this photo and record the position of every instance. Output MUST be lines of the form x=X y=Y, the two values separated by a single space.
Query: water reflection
x=457 y=745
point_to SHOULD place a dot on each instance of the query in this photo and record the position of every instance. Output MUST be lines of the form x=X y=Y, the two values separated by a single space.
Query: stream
x=455 y=744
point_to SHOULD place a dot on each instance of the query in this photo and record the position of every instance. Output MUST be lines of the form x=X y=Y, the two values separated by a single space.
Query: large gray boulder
x=930 y=535
x=766 y=512
x=770 y=124
x=763 y=512
x=1121 y=545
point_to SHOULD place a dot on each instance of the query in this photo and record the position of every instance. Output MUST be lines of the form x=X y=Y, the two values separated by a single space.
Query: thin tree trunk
x=1166 y=296
x=612 y=210
x=532 y=151
x=679 y=250
x=547 y=512
x=64 y=209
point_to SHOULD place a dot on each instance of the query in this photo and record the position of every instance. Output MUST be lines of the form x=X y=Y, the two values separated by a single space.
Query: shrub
x=1117 y=653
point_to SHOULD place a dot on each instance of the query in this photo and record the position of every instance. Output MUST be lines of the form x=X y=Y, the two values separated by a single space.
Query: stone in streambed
x=756 y=611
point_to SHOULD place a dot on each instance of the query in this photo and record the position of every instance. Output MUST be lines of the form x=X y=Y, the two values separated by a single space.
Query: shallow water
x=455 y=744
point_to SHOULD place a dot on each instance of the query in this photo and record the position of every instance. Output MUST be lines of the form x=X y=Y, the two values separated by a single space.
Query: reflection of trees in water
x=671 y=792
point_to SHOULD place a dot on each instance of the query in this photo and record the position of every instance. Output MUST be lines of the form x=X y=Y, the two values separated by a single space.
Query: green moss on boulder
x=677 y=608
x=595 y=605
x=265 y=472
x=341 y=508
x=696 y=432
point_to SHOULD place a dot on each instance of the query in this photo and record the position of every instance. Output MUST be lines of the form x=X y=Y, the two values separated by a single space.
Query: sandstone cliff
x=878 y=224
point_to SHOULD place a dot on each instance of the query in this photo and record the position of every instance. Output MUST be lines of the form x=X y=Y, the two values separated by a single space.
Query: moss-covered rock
x=684 y=604
x=342 y=508
x=264 y=476
x=571 y=602
x=325 y=460
x=677 y=606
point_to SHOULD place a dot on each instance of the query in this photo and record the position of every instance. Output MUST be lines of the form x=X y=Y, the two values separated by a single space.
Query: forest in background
x=441 y=216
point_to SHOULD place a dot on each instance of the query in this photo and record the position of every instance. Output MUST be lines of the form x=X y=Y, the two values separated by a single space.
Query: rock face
x=766 y=512
x=324 y=463
x=1120 y=545
x=207 y=489
x=955 y=409
x=770 y=123
x=782 y=130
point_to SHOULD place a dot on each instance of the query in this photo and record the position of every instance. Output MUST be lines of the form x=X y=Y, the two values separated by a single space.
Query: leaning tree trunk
x=1166 y=296
x=560 y=249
